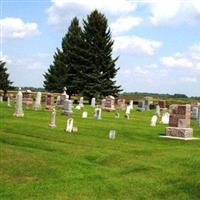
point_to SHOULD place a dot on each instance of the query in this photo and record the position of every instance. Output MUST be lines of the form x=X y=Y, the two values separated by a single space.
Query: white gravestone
x=81 y=102
x=58 y=100
x=37 y=105
x=52 y=123
x=1 y=99
x=97 y=113
x=154 y=120
x=112 y=134
x=158 y=110
x=165 y=118
x=19 y=110
x=131 y=104
x=67 y=109
x=84 y=114
x=128 y=109
x=93 y=102
x=69 y=126
x=8 y=101
x=77 y=107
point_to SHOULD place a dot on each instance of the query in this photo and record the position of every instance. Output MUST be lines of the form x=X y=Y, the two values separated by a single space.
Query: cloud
x=176 y=62
x=17 y=28
x=174 y=12
x=124 y=24
x=136 y=45
x=188 y=79
x=62 y=11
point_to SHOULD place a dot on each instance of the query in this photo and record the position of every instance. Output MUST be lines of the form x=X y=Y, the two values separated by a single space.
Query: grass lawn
x=37 y=162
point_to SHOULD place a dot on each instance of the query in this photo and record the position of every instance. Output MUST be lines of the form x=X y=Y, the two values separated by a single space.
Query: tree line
x=84 y=63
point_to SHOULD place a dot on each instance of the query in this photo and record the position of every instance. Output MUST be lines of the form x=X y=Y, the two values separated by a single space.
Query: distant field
x=37 y=162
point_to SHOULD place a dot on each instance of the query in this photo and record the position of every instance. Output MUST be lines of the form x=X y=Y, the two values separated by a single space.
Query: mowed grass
x=37 y=162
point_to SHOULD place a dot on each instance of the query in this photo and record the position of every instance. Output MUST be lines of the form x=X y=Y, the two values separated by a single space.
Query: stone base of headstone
x=49 y=108
x=141 y=109
x=52 y=125
x=67 y=112
x=179 y=132
x=18 y=115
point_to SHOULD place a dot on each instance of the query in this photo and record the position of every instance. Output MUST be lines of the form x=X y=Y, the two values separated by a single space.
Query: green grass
x=37 y=162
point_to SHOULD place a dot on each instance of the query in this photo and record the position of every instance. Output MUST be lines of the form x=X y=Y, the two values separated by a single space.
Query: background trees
x=5 y=83
x=84 y=64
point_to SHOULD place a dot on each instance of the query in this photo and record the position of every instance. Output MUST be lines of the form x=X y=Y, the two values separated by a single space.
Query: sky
x=158 y=42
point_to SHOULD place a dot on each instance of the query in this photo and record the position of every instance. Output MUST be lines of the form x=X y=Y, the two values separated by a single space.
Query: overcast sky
x=158 y=42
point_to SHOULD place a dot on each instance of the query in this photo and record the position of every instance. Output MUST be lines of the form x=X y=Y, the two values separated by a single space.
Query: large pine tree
x=62 y=72
x=99 y=72
x=5 y=83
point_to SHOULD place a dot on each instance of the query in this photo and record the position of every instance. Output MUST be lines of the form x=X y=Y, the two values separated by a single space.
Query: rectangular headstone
x=162 y=103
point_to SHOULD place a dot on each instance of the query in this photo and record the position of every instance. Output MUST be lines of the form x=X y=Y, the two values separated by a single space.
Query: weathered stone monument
x=8 y=101
x=63 y=96
x=103 y=101
x=97 y=113
x=1 y=99
x=109 y=103
x=141 y=106
x=49 y=101
x=158 y=110
x=121 y=103
x=93 y=102
x=27 y=98
x=112 y=134
x=67 y=109
x=131 y=104
x=194 y=114
x=154 y=120
x=179 y=122
x=146 y=104
x=19 y=110
x=37 y=105
x=81 y=102
x=69 y=125
x=58 y=100
x=165 y=118
x=162 y=104
x=85 y=114
x=52 y=123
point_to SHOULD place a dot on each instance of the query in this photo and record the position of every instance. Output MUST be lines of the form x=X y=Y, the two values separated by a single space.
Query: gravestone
x=93 y=102
x=8 y=101
x=154 y=120
x=84 y=114
x=81 y=102
x=58 y=100
x=1 y=99
x=141 y=106
x=63 y=96
x=52 y=123
x=162 y=104
x=112 y=134
x=131 y=104
x=146 y=104
x=49 y=101
x=158 y=110
x=179 y=122
x=128 y=109
x=103 y=101
x=121 y=103
x=67 y=109
x=165 y=118
x=37 y=105
x=27 y=98
x=109 y=103
x=194 y=114
x=19 y=109
x=97 y=113
x=69 y=125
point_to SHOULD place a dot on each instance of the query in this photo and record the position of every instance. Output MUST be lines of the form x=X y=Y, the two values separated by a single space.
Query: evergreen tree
x=5 y=83
x=64 y=68
x=99 y=72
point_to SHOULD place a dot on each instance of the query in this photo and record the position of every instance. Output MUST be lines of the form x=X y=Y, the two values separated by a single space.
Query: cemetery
x=75 y=120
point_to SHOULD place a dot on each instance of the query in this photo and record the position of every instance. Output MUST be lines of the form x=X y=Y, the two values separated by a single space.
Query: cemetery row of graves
x=176 y=116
